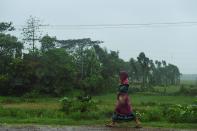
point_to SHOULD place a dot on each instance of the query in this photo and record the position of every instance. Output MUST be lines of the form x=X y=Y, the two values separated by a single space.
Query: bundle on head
x=123 y=76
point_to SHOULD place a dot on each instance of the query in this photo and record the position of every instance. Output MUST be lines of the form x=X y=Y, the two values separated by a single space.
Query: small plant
x=66 y=104
x=80 y=107
x=81 y=104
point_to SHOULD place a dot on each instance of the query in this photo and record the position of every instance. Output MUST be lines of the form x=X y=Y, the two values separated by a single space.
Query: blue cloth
x=120 y=117
x=123 y=88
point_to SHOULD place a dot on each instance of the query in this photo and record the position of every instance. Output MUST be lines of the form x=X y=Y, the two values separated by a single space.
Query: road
x=83 y=128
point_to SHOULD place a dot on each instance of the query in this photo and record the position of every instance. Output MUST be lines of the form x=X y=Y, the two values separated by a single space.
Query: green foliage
x=93 y=84
x=76 y=105
x=47 y=43
x=175 y=113
x=61 y=66
x=150 y=115
x=81 y=108
x=181 y=113
x=4 y=26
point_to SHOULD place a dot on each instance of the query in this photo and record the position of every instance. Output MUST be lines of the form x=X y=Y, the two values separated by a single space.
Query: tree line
x=60 y=66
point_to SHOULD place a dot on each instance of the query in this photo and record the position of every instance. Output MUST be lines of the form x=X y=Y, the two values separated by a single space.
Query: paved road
x=69 y=128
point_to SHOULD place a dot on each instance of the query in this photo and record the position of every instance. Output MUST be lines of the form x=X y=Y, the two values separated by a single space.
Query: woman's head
x=123 y=77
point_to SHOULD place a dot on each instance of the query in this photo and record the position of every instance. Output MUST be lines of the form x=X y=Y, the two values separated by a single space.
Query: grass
x=169 y=89
x=138 y=98
x=189 y=82
x=46 y=111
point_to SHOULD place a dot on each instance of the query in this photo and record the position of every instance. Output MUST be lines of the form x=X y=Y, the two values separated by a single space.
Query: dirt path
x=71 y=128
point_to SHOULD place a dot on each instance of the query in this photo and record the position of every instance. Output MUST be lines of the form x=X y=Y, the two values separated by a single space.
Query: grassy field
x=18 y=110
x=189 y=82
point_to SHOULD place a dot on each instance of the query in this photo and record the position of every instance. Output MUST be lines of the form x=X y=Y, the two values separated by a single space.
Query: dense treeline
x=60 y=66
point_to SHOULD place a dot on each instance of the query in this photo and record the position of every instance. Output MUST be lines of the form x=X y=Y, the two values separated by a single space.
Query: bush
x=78 y=105
x=149 y=115
x=80 y=108
x=181 y=113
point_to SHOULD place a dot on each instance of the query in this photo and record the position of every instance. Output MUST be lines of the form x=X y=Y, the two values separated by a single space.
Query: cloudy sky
x=175 y=43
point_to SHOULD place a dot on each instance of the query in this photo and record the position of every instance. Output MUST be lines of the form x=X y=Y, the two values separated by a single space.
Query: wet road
x=69 y=128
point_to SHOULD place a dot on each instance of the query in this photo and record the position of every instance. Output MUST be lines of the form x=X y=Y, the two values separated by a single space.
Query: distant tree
x=144 y=62
x=173 y=74
x=134 y=74
x=59 y=73
x=10 y=47
x=31 y=32
x=77 y=48
x=47 y=43
x=152 y=73
x=164 y=74
x=4 y=26
x=196 y=81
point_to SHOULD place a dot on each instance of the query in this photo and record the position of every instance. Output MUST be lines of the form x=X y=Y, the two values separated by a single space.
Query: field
x=46 y=110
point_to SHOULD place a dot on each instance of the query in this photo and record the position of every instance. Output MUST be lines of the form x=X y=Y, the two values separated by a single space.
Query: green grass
x=46 y=111
x=138 y=98
x=169 y=89
x=189 y=82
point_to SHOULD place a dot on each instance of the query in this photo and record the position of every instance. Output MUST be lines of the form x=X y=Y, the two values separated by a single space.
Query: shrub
x=80 y=108
x=181 y=113
x=149 y=115
x=78 y=105
x=66 y=104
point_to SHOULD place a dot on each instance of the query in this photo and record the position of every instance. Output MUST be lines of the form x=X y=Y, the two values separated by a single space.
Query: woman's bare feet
x=138 y=123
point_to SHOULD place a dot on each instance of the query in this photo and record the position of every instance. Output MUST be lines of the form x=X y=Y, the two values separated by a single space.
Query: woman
x=123 y=110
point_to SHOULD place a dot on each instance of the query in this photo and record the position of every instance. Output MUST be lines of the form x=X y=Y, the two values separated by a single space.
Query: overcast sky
x=177 y=44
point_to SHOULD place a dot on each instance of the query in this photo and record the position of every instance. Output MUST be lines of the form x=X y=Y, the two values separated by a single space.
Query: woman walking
x=123 y=110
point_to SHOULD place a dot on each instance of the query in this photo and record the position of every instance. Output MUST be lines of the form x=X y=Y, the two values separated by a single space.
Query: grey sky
x=175 y=44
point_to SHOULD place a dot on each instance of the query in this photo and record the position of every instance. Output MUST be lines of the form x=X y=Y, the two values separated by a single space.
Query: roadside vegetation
x=153 y=109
